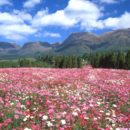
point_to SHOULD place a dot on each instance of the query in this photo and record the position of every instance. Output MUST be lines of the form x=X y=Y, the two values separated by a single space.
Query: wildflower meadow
x=64 y=99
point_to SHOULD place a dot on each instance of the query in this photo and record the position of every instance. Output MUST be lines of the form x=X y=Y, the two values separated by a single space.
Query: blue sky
x=53 y=20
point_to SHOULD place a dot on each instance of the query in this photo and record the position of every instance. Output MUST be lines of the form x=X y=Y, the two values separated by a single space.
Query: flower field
x=64 y=99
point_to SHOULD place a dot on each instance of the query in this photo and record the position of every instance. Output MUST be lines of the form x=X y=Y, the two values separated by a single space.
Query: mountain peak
x=6 y=45
x=75 y=44
x=36 y=44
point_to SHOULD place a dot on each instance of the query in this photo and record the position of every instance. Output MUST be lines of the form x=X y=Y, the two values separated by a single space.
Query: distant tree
x=74 y=61
x=57 y=62
x=65 y=62
x=128 y=60
x=113 y=60
x=120 y=60
x=25 y=62
x=97 y=60
x=79 y=61
x=92 y=60
x=69 y=62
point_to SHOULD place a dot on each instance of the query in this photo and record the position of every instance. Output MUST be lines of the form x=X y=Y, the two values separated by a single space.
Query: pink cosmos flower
x=16 y=116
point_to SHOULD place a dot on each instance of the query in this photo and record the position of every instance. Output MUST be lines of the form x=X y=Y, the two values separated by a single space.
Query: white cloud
x=13 y=26
x=23 y=15
x=82 y=12
x=53 y=35
x=15 y=17
x=109 y=1
x=31 y=3
x=5 y=2
x=85 y=14
x=19 y=24
x=59 y=18
x=8 y=18
x=16 y=31
x=118 y=22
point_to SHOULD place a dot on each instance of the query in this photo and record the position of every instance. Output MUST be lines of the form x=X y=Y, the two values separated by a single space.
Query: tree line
x=44 y=61
x=116 y=60
x=62 y=61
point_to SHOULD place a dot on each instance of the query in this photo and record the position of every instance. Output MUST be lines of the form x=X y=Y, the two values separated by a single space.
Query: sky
x=54 y=20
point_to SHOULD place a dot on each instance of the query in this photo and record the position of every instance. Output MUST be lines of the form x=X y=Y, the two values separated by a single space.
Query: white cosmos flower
x=108 y=114
x=27 y=128
x=49 y=124
x=44 y=118
x=113 y=124
x=27 y=116
x=23 y=106
x=63 y=122
x=101 y=111
x=114 y=105
x=25 y=119
x=75 y=114
x=12 y=103
x=99 y=103
x=95 y=118
x=31 y=117
x=34 y=108
x=86 y=118
x=113 y=113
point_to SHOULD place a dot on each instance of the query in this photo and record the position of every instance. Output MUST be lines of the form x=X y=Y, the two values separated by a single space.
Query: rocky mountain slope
x=76 y=44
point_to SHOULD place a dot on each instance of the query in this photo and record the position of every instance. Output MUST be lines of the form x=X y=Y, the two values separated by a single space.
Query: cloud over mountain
x=82 y=15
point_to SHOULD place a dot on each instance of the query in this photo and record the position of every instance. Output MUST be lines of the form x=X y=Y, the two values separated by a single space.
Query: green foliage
x=116 y=60
x=67 y=62
x=45 y=61
x=128 y=60
x=78 y=126
x=125 y=108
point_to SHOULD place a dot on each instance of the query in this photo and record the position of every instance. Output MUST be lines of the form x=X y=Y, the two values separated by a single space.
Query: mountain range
x=76 y=44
